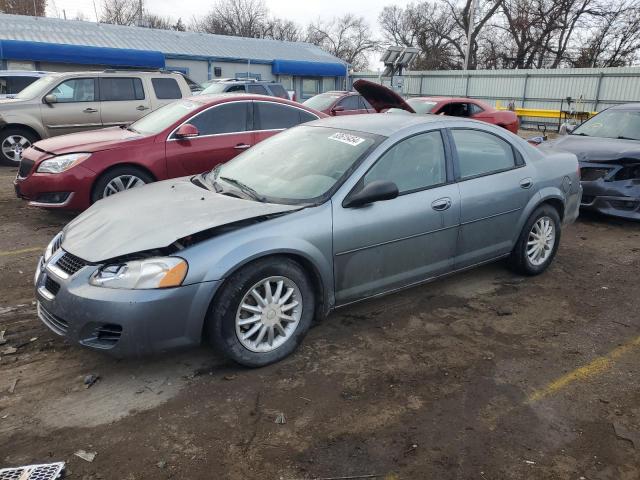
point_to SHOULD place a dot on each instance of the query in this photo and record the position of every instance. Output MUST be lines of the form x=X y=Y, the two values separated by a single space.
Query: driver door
x=224 y=131
x=77 y=107
x=394 y=243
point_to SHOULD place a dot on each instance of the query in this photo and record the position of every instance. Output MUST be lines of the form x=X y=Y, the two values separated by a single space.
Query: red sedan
x=336 y=103
x=183 y=138
x=466 y=107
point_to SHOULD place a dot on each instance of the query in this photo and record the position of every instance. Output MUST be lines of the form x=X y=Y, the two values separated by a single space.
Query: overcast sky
x=300 y=11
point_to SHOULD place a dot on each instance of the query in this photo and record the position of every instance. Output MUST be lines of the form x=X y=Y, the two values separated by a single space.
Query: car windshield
x=41 y=85
x=321 y=102
x=215 y=88
x=164 y=117
x=420 y=106
x=623 y=124
x=300 y=165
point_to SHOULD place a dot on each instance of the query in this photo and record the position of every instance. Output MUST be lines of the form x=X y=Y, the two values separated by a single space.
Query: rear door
x=77 y=107
x=224 y=131
x=123 y=100
x=273 y=117
x=495 y=185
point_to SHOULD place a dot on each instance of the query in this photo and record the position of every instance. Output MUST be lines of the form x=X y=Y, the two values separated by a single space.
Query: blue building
x=40 y=43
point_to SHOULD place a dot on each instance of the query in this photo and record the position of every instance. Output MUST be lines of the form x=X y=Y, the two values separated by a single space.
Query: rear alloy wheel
x=13 y=142
x=262 y=312
x=538 y=242
x=118 y=180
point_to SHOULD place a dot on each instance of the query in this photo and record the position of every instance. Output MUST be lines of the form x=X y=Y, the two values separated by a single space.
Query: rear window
x=121 y=89
x=166 y=88
x=279 y=91
x=13 y=85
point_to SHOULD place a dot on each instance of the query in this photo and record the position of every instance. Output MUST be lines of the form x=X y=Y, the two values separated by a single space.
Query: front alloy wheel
x=262 y=312
x=122 y=183
x=13 y=146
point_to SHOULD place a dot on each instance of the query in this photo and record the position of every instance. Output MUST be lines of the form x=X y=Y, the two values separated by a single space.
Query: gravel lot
x=485 y=375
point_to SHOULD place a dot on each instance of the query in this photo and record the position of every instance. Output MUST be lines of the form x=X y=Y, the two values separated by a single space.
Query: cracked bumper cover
x=151 y=321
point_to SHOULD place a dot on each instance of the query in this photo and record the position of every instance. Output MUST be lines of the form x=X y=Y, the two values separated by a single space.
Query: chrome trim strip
x=75 y=125
x=44 y=204
x=416 y=235
x=45 y=293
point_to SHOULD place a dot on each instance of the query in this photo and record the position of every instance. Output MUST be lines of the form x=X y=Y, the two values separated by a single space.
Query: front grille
x=51 y=285
x=52 y=321
x=25 y=167
x=70 y=264
x=589 y=174
x=50 y=471
x=57 y=243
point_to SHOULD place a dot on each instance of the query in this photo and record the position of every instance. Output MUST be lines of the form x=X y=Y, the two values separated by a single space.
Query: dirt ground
x=485 y=375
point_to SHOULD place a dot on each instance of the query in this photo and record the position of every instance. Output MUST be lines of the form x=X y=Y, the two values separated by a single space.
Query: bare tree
x=121 y=12
x=279 y=29
x=35 y=8
x=242 y=18
x=348 y=38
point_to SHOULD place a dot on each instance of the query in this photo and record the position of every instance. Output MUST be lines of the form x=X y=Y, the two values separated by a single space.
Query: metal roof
x=169 y=42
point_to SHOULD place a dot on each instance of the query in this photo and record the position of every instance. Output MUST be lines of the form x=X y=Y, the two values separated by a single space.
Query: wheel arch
x=32 y=130
x=110 y=168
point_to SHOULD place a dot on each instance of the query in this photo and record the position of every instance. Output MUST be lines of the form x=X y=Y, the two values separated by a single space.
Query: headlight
x=53 y=247
x=160 y=272
x=62 y=163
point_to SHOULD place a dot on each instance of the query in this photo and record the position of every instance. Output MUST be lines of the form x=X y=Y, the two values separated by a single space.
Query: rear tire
x=13 y=141
x=119 y=179
x=254 y=332
x=538 y=242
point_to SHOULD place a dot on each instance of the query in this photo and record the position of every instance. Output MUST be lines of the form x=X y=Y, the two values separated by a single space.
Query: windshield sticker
x=347 y=138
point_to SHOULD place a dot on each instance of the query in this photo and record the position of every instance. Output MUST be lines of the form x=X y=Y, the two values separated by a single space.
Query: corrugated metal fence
x=593 y=89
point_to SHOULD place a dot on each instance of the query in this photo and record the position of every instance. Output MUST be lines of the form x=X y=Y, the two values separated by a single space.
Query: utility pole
x=472 y=13
x=35 y=11
x=140 y=14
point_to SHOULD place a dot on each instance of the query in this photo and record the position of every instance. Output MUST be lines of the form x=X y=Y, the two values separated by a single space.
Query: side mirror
x=337 y=108
x=187 y=131
x=51 y=98
x=372 y=192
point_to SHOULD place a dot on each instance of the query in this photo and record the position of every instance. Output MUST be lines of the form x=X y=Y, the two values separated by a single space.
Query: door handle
x=90 y=110
x=142 y=108
x=441 y=204
x=526 y=183
x=241 y=146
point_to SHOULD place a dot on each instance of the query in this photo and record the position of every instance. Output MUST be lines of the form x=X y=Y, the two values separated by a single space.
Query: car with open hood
x=320 y=216
x=608 y=149
x=336 y=103
x=186 y=137
x=383 y=98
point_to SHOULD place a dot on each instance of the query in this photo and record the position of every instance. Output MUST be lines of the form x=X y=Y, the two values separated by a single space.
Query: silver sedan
x=318 y=217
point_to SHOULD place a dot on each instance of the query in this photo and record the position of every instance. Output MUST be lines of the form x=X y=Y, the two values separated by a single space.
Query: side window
x=415 y=163
x=235 y=88
x=306 y=116
x=363 y=104
x=475 y=109
x=3 y=86
x=76 y=90
x=166 y=88
x=279 y=91
x=480 y=153
x=258 y=89
x=350 y=103
x=272 y=116
x=121 y=89
x=225 y=118
x=17 y=84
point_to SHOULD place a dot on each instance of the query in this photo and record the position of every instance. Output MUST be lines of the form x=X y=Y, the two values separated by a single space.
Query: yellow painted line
x=7 y=253
x=596 y=367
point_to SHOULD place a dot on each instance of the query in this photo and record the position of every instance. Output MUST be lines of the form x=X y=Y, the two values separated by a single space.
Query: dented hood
x=380 y=97
x=596 y=149
x=155 y=216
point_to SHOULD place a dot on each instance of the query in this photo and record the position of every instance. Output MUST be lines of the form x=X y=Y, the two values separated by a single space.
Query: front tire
x=538 y=242
x=262 y=312
x=118 y=180
x=14 y=141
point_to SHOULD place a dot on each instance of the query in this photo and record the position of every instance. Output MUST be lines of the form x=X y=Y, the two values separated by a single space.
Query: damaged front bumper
x=611 y=189
x=121 y=322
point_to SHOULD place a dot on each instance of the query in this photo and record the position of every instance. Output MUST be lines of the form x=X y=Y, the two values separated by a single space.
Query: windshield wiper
x=128 y=127
x=580 y=134
x=244 y=188
x=622 y=137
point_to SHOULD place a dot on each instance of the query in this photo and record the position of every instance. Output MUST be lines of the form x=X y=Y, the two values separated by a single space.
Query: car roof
x=385 y=124
x=627 y=106
x=23 y=73
x=213 y=98
x=444 y=99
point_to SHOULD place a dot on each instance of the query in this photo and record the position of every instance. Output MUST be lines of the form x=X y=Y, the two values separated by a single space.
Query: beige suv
x=63 y=103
